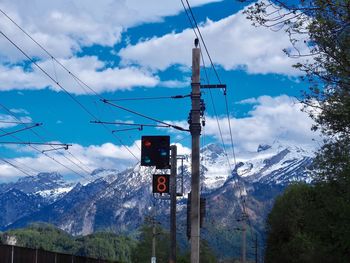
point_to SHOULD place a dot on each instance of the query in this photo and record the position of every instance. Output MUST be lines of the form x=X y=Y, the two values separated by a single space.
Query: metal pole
x=173 y=173
x=244 y=240
x=256 y=247
x=153 y=259
x=12 y=253
x=195 y=129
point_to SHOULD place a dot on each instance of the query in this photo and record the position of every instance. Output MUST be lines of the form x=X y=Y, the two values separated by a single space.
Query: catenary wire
x=52 y=158
x=226 y=104
x=15 y=166
x=41 y=138
x=65 y=90
x=77 y=79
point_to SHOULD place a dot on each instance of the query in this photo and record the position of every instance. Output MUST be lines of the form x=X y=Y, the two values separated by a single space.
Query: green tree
x=324 y=27
x=320 y=229
x=309 y=224
x=101 y=245
x=143 y=251
x=43 y=236
x=106 y=245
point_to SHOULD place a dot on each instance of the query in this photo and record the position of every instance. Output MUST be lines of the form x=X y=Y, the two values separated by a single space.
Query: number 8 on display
x=161 y=183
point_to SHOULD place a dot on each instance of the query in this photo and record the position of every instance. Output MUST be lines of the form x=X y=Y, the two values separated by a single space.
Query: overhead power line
x=245 y=214
x=75 y=77
x=201 y=37
x=60 y=86
x=130 y=124
x=153 y=98
x=31 y=169
x=15 y=122
x=81 y=83
x=37 y=143
x=15 y=166
x=65 y=146
x=216 y=73
x=144 y=116
x=52 y=147
x=23 y=129
x=139 y=126
x=38 y=150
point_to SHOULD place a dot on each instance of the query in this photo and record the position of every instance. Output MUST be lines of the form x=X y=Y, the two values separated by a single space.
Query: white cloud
x=248 y=101
x=7 y=121
x=93 y=71
x=64 y=26
x=19 y=111
x=174 y=83
x=233 y=43
x=107 y=155
x=272 y=118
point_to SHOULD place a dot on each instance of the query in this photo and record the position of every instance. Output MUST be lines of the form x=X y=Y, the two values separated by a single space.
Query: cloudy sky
x=122 y=49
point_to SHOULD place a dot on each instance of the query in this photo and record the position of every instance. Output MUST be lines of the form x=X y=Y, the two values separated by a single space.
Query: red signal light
x=147 y=144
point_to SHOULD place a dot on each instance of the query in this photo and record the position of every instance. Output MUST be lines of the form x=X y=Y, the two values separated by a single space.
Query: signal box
x=155 y=151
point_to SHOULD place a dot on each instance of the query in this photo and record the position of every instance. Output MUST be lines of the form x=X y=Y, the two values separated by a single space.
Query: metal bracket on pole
x=215 y=86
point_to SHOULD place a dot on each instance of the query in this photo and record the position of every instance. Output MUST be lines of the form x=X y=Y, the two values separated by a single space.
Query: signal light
x=155 y=151
x=161 y=183
x=147 y=143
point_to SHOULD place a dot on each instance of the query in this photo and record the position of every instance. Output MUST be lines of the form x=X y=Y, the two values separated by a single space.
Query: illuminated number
x=161 y=184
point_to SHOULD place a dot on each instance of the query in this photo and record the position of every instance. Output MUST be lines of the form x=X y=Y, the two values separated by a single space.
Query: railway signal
x=155 y=151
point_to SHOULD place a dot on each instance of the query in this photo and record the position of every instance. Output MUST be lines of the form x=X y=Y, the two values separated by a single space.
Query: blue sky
x=131 y=49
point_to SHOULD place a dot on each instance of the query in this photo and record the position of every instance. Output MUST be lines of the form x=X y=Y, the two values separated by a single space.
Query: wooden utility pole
x=173 y=173
x=195 y=129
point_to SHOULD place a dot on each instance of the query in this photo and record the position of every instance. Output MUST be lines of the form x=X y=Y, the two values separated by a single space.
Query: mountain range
x=119 y=201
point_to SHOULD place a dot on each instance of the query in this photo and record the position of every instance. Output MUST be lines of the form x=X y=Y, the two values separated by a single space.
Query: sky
x=128 y=49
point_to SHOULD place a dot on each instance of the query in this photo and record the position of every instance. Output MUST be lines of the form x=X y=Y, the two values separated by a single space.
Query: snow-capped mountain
x=276 y=164
x=119 y=201
x=30 y=194
x=48 y=185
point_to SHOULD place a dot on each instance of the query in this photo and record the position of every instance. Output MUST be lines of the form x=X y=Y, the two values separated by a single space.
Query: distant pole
x=12 y=253
x=153 y=258
x=173 y=173
x=195 y=129
x=244 y=240
x=256 y=248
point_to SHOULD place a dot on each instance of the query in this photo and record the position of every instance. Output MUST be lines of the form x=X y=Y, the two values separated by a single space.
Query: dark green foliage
x=310 y=224
x=142 y=253
x=101 y=245
x=43 y=236
x=106 y=246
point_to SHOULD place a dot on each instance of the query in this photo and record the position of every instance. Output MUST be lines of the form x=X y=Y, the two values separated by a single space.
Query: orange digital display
x=161 y=183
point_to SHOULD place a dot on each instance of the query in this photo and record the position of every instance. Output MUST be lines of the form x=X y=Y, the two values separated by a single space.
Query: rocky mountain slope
x=119 y=201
